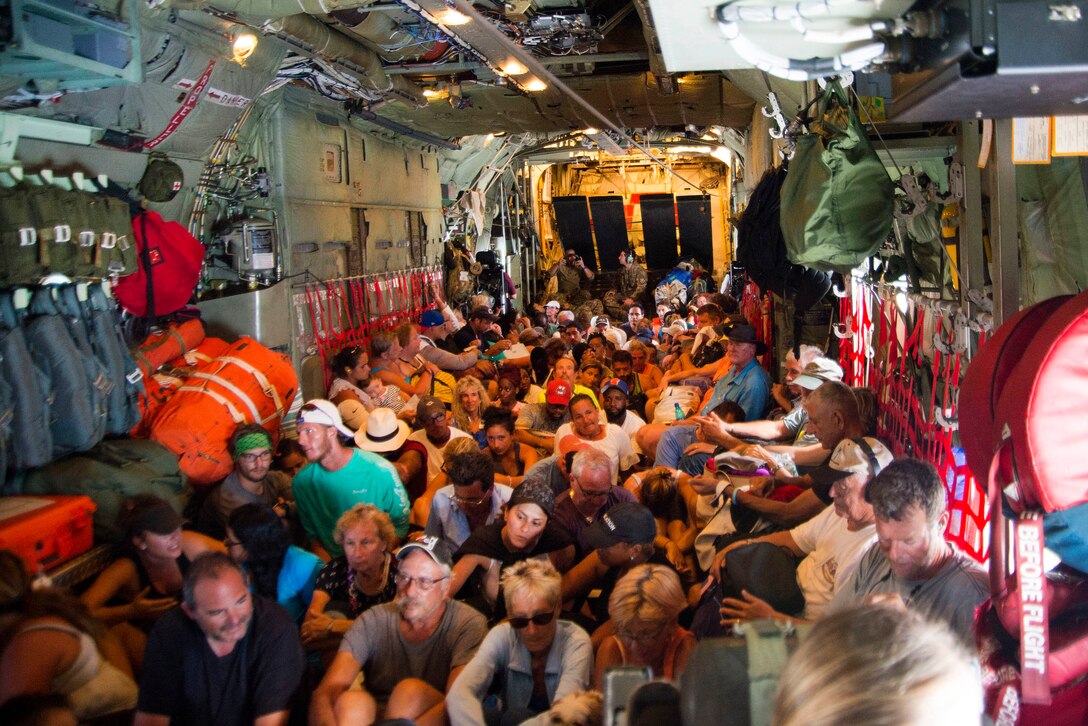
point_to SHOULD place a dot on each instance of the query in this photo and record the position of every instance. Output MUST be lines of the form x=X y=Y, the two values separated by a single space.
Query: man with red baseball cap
x=538 y=422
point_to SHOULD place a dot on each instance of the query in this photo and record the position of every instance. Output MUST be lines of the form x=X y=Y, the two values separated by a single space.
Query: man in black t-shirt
x=481 y=331
x=225 y=657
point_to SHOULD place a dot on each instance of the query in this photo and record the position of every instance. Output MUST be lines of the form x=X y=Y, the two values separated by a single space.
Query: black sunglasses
x=538 y=619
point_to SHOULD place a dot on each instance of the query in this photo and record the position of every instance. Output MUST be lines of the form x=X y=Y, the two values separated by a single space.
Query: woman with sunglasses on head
x=470 y=400
x=532 y=659
x=257 y=540
x=645 y=608
x=348 y=585
x=350 y=367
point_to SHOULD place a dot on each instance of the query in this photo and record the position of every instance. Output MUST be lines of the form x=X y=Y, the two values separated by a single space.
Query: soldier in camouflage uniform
x=633 y=279
x=572 y=274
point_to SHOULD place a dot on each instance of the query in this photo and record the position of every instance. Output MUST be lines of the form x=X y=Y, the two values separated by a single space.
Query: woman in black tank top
x=146 y=580
x=511 y=458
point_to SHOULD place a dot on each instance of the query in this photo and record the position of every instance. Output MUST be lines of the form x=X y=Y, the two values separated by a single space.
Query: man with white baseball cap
x=338 y=477
x=790 y=430
x=831 y=544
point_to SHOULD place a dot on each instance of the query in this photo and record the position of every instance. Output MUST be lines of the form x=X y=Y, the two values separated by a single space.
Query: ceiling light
x=449 y=16
x=242 y=45
x=535 y=85
x=513 y=67
x=435 y=93
x=590 y=131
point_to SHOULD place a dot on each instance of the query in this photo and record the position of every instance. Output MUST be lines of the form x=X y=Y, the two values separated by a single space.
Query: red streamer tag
x=1034 y=623
x=187 y=107
x=1006 y=710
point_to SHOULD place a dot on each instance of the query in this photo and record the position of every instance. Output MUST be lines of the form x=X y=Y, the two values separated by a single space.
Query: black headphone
x=868 y=451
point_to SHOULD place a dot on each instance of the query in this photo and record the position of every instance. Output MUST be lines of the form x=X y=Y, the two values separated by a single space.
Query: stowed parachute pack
x=44 y=228
x=66 y=378
x=25 y=436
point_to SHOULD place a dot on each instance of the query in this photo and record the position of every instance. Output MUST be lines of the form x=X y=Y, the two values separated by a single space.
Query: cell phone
x=619 y=684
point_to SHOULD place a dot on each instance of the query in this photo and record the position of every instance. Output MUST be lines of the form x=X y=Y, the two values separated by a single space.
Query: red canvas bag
x=985 y=379
x=1042 y=415
x=170 y=260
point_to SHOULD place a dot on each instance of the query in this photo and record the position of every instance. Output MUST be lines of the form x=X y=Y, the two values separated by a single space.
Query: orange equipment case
x=46 y=531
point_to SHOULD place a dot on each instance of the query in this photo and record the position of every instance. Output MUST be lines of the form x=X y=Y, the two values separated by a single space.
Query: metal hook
x=841 y=332
x=951 y=424
x=775 y=112
x=839 y=292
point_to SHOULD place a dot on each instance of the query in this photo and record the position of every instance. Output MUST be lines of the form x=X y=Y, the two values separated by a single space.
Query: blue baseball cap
x=431 y=319
x=613 y=383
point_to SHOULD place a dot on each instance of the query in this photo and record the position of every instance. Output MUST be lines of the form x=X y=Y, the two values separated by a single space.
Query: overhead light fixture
x=535 y=85
x=513 y=67
x=243 y=43
x=590 y=131
x=434 y=94
x=449 y=16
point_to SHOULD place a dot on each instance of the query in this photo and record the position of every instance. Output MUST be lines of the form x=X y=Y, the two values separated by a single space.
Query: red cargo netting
x=881 y=346
x=758 y=310
x=344 y=312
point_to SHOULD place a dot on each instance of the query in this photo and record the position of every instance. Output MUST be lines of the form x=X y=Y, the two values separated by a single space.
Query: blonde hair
x=460 y=445
x=530 y=578
x=646 y=592
x=366 y=513
x=875 y=665
x=460 y=415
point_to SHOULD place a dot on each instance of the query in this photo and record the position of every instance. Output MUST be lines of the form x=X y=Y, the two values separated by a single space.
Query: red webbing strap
x=360 y=321
x=379 y=305
x=313 y=302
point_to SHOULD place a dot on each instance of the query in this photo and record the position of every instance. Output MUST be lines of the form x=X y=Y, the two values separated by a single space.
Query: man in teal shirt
x=338 y=477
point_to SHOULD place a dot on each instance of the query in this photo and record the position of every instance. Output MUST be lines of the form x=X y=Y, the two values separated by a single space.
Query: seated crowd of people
x=480 y=520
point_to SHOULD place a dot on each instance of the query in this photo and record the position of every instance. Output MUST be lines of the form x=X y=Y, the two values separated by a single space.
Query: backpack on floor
x=732 y=681
x=109 y=473
x=247 y=384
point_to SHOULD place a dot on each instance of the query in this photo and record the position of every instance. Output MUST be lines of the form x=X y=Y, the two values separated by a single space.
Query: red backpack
x=170 y=260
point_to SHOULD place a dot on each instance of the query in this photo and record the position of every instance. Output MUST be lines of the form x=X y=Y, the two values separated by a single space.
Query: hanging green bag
x=837 y=200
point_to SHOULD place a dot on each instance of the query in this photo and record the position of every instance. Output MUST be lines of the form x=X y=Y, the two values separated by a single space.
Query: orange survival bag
x=247 y=384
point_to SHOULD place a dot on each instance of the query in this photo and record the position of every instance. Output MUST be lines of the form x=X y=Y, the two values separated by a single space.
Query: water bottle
x=680 y=415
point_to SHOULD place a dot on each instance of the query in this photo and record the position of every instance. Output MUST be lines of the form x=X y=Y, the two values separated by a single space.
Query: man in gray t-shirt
x=912 y=561
x=410 y=650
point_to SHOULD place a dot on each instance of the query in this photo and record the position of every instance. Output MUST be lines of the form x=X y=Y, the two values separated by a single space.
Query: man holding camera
x=572 y=275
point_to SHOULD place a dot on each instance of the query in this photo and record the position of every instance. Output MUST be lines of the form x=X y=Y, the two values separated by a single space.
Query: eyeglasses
x=265 y=455
x=423 y=583
x=593 y=493
x=466 y=502
x=538 y=619
x=643 y=635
